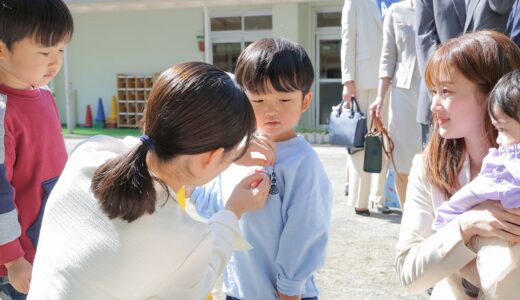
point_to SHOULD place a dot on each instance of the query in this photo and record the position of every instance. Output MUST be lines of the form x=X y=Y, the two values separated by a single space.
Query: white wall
x=142 y=42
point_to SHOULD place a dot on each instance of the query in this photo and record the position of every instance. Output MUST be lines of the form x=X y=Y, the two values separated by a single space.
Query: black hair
x=283 y=63
x=193 y=108
x=48 y=22
x=506 y=96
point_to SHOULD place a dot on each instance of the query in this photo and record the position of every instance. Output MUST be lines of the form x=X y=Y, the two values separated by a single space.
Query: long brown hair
x=193 y=108
x=482 y=57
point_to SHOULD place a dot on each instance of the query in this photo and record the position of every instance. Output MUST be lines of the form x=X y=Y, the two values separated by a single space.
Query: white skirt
x=403 y=127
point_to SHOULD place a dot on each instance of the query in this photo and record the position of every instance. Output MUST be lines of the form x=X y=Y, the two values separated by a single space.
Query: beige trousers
x=362 y=185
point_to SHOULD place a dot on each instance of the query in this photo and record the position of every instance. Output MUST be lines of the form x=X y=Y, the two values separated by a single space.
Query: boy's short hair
x=506 y=96
x=49 y=22
x=283 y=63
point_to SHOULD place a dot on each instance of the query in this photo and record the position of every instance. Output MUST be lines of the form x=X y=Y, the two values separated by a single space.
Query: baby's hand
x=19 y=274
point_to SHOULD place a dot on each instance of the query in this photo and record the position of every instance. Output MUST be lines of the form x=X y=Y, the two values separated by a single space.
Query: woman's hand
x=375 y=107
x=261 y=152
x=491 y=219
x=349 y=91
x=250 y=194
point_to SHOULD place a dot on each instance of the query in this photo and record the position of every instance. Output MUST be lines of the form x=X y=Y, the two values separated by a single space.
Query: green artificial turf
x=118 y=132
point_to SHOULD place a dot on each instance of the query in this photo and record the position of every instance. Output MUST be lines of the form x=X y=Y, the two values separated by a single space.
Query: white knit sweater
x=82 y=254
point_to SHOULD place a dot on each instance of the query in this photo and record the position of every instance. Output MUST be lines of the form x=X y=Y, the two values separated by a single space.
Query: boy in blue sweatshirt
x=290 y=234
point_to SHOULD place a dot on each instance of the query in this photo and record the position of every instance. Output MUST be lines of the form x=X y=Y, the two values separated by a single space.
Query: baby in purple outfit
x=498 y=262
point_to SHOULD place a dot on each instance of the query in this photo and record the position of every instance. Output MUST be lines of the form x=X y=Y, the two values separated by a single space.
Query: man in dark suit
x=437 y=21
x=513 y=24
x=487 y=14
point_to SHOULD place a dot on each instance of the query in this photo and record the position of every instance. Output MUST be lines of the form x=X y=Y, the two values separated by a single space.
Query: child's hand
x=261 y=152
x=246 y=197
x=19 y=274
x=285 y=297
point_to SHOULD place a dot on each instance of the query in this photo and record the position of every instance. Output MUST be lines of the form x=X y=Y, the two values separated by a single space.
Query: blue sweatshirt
x=289 y=235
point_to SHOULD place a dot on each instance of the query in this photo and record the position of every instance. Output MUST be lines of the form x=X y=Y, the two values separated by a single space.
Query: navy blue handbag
x=347 y=127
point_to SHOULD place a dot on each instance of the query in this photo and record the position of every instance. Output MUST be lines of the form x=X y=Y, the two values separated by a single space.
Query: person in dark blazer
x=487 y=14
x=436 y=21
x=513 y=24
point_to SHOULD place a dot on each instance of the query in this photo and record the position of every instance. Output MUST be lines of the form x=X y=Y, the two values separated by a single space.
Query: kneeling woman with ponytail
x=113 y=229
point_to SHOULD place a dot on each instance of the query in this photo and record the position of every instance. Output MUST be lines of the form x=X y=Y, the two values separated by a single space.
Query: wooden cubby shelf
x=132 y=94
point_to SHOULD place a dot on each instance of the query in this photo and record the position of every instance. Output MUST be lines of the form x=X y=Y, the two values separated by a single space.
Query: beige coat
x=399 y=62
x=361 y=38
x=424 y=257
x=398 y=57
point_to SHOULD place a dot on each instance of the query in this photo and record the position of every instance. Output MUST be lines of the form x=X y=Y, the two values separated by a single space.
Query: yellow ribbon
x=181 y=197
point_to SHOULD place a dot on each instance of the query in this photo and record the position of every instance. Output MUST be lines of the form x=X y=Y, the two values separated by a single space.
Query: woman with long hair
x=113 y=228
x=460 y=75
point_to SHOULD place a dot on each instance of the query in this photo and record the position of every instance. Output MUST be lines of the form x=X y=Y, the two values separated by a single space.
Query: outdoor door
x=328 y=74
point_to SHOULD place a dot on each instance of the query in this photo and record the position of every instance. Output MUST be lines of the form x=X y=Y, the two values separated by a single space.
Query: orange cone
x=88 y=118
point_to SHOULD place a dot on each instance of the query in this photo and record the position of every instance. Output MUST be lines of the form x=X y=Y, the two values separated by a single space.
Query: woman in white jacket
x=398 y=66
x=460 y=74
x=113 y=228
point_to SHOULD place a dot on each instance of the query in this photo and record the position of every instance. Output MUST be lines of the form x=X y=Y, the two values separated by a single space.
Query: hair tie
x=147 y=141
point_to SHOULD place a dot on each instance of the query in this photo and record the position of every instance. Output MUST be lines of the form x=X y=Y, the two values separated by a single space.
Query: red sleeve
x=10 y=247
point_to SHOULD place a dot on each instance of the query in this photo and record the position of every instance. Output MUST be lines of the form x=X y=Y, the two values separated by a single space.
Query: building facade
x=146 y=37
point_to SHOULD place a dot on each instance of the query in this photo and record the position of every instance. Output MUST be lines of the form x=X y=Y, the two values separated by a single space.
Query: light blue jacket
x=289 y=235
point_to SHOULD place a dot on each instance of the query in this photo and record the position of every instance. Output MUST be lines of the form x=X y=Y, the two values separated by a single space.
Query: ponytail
x=124 y=186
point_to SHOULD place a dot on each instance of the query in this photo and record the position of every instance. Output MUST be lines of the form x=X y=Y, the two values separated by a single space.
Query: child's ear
x=3 y=50
x=307 y=99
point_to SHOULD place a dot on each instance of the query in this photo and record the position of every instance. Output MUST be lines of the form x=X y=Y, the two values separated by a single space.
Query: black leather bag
x=347 y=127
x=373 y=160
x=377 y=141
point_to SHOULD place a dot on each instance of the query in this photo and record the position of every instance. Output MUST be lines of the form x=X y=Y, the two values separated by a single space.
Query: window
x=225 y=55
x=329 y=19
x=258 y=23
x=230 y=34
x=329 y=79
x=246 y=23
x=226 y=23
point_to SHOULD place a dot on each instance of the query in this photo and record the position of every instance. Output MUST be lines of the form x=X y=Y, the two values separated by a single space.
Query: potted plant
x=326 y=139
x=307 y=134
x=318 y=135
